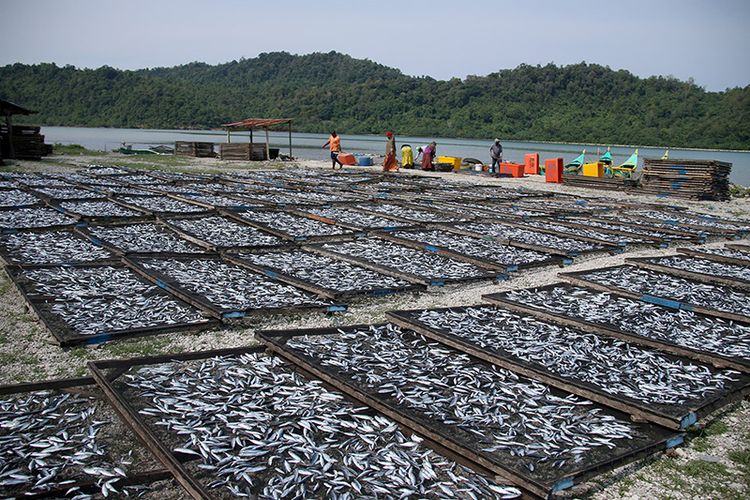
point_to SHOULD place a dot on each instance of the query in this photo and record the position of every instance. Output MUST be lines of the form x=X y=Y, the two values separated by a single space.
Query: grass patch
x=716 y=429
x=740 y=457
x=74 y=149
x=700 y=444
x=146 y=347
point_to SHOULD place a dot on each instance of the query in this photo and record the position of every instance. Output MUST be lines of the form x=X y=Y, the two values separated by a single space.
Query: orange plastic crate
x=511 y=169
x=553 y=170
x=531 y=161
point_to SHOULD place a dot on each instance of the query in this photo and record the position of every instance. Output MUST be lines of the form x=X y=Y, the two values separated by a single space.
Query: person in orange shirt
x=334 y=141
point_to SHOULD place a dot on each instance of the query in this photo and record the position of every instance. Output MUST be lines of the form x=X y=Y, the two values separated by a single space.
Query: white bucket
x=478 y=168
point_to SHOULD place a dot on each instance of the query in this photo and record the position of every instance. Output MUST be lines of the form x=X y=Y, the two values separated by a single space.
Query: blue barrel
x=364 y=161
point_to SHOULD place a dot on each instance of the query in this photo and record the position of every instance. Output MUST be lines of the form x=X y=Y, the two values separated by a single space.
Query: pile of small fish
x=26 y=218
x=355 y=218
x=224 y=232
x=52 y=247
x=7 y=184
x=490 y=250
x=705 y=266
x=50 y=441
x=68 y=193
x=142 y=179
x=408 y=260
x=98 y=209
x=123 y=190
x=217 y=201
x=644 y=281
x=695 y=220
x=680 y=327
x=650 y=224
x=585 y=232
x=323 y=271
x=259 y=429
x=611 y=365
x=644 y=231
x=106 y=170
x=227 y=286
x=147 y=237
x=406 y=212
x=521 y=422
x=502 y=231
x=285 y=198
x=105 y=299
x=16 y=198
x=293 y=225
x=161 y=204
x=728 y=252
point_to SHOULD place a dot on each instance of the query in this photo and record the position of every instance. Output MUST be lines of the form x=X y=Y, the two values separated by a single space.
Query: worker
x=428 y=153
x=390 y=164
x=407 y=156
x=334 y=141
x=496 y=154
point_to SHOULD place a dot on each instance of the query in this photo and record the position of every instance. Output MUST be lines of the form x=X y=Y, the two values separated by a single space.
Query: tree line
x=575 y=103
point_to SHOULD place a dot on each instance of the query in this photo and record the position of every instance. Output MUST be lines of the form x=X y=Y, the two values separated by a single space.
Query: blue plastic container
x=364 y=161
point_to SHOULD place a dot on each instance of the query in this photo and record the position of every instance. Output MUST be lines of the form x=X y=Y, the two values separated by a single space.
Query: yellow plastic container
x=593 y=169
x=456 y=162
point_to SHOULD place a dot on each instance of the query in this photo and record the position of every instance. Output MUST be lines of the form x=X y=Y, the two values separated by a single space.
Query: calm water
x=309 y=145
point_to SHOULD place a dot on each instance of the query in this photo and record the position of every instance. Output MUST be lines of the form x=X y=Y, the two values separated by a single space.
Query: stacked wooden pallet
x=607 y=183
x=243 y=151
x=691 y=179
x=197 y=149
x=27 y=142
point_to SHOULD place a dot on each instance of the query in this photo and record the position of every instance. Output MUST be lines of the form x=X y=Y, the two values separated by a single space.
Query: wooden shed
x=21 y=141
x=252 y=151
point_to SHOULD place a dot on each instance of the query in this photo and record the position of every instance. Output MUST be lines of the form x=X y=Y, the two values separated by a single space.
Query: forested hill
x=578 y=103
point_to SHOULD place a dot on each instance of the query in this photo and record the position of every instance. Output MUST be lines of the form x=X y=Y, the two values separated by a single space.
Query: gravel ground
x=714 y=464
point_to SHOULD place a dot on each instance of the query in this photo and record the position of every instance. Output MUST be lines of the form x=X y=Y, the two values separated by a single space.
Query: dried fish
x=98 y=209
x=293 y=225
x=260 y=429
x=728 y=252
x=411 y=213
x=323 y=271
x=147 y=237
x=160 y=204
x=68 y=193
x=704 y=266
x=106 y=299
x=355 y=218
x=53 y=247
x=227 y=286
x=648 y=233
x=408 y=260
x=16 y=198
x=498 y=230
x=694 y=219
x=646 y=282
x=52 y=440
x=224 y=232
x=679 y=327
x=585 y=232
x=613 y=366
x=27 y=218
x=490 y=250
x=519 y=422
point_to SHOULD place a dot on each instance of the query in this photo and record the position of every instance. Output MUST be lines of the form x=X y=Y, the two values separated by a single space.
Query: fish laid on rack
x=258 y=428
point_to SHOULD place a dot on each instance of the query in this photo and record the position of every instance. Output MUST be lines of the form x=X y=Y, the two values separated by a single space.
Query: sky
x=708 y=41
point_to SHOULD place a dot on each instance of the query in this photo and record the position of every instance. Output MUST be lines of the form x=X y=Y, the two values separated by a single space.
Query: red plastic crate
x=553 y=170
x=531 y=161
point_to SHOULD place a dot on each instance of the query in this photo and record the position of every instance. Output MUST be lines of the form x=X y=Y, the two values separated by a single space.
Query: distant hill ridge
x=577 y=103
